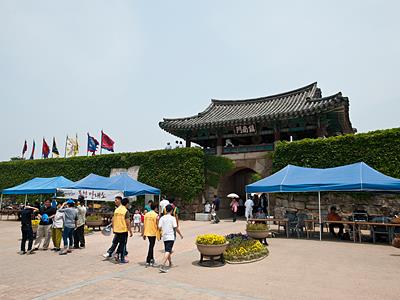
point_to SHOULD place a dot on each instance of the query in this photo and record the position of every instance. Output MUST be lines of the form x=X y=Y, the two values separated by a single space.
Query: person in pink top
x=234 y=206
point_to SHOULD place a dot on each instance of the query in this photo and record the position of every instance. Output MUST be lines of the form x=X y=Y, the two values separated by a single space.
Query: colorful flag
x=33 y=150
x=72 y=146
x=106 y=142
x=54 y=149
x=76 y=146
x=92 y=144
x=45 y=149
x=24 y=149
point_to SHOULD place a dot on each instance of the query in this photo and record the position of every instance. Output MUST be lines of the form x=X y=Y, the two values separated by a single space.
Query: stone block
x=202 y=217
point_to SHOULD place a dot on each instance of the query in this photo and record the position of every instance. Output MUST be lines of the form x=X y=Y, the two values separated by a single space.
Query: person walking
x=163 y=203
x=169 y=226
x=70 y=220
x=248 y=208
x=79 y=233
x=234 y=207
x=26 y=228
x=150 y=231
x=57 y=229
x=121 y=224
x=46 y=215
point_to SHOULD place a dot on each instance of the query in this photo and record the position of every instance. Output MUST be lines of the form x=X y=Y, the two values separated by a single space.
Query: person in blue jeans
x=70 y=219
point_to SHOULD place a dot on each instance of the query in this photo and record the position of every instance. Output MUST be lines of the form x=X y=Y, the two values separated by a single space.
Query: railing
x=241 y=149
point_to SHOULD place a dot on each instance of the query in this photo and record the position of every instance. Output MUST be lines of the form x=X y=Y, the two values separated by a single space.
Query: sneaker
x=45 y=249
x=29 y=252
x=125 y=261
x=107 y=255
x=76 y=247
x=152 y=262
x=35 y=249
x=21 y=252
x=69 y=251
x=147 y=265
x=163 y=269
x=63 y=252
x=54 y=249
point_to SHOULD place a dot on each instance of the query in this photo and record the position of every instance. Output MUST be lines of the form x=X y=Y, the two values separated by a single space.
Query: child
x=26 y=228
x=137 y=218
x=168 y=225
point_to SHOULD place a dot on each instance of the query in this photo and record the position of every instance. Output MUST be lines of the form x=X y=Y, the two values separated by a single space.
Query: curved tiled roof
x=300 y=102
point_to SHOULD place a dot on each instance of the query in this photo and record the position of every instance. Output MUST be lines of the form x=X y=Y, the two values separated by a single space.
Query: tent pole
x=26 y=199
x=319 y=213
x=268 y=205
x=1 y=200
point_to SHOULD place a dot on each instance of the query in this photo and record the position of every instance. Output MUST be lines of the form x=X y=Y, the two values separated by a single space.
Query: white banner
x=90 y=195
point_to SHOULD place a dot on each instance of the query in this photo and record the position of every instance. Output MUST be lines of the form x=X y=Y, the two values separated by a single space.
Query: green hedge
x=379 y=149
x=178 y=172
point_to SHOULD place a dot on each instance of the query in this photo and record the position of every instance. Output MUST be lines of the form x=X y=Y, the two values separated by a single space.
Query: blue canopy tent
x=122 y=182
x=355 y=177
x=37 y=185
x=90 y=182
x=130 y=186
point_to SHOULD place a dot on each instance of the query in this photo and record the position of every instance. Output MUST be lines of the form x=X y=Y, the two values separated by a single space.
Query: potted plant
x=94 y=221
x=211 y=244
x=257 y=231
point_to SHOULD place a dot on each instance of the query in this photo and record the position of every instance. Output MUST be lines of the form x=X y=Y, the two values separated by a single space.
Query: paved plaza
x=295 y=269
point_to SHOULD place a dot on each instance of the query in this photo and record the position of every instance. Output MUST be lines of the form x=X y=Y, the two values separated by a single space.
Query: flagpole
x=66 y=140
x=52 y=154
x=87 y=145
x=101 y=142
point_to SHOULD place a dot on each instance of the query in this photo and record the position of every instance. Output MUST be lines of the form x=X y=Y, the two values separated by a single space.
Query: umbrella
x=233 y=195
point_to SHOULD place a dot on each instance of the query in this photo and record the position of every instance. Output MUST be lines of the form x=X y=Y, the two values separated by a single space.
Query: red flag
x=106 y=142
x=45 y=149
x=25 y=148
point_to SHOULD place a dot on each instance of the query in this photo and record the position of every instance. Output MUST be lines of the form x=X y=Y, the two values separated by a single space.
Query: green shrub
x=93 y=218
x=180 y=172
x=379 y=149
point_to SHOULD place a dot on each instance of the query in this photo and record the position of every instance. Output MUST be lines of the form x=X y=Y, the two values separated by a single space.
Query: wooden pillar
x=220 y=146
x=277 y=134
x=188 y=143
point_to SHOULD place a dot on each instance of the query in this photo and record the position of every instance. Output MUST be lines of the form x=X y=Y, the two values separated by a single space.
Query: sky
x=78 y=66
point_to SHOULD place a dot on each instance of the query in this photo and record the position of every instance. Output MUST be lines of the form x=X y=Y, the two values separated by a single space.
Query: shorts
x=168 y=246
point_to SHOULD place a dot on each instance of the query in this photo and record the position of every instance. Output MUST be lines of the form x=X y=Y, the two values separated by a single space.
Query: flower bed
x=243 y=249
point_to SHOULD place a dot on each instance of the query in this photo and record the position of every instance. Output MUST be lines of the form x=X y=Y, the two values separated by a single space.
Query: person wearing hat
x=79 y=233
x=70 y=219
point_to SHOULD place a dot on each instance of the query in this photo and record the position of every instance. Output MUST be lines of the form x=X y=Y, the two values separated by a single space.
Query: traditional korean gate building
x=245 y=130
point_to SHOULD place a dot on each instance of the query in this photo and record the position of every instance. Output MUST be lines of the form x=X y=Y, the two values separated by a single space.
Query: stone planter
x=94 y=223
x=212 y=250
x=258 y=234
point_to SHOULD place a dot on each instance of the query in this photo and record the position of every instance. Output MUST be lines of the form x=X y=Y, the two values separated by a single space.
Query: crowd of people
x=158 y=221
x=56 y=222
x=66 y=222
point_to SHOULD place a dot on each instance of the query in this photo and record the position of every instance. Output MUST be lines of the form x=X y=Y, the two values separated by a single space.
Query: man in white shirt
x=249 y=208
x=168 y=225
x=163 y=203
